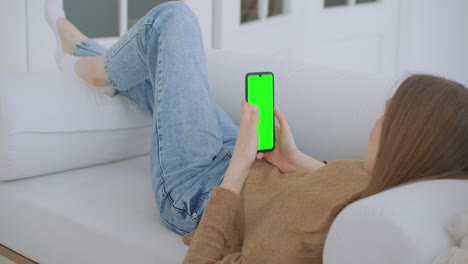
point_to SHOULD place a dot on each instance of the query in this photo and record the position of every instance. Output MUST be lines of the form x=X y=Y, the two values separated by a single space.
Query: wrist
x=235 y=177
x=239 y=163
x=297 y=160
x=302 y=162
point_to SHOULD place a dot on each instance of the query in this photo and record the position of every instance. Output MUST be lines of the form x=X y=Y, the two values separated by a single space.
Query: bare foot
x=69 y=35
x=91 y=70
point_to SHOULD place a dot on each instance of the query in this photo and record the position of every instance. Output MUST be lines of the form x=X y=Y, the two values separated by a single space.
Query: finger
x=259 y=155
x=281 y=117
x=277 y=126
x=254 y=116
x=248 y=108
x=245 y=115
x=243 y=105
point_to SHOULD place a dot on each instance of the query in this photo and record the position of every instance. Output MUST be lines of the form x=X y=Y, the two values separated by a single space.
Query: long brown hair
x=424 y=134
x=424 y=137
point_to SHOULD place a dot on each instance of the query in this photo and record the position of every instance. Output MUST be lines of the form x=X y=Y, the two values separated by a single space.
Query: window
x=249 y=10
x=331 y=3
x=252 y=10
x=335 y=3
x=138 y=8
x=106 y=18
x=99 y=21
x=275 y=7
x=365 y=1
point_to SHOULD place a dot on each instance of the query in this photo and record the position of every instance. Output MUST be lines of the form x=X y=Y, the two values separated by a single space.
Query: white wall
x=434 y=38
x=276 y=36
x=42 y=42
x=13 y=56
x=204 y=11
x=360 y=38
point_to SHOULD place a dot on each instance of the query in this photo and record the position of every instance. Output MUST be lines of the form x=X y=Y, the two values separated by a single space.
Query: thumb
x=254 y=115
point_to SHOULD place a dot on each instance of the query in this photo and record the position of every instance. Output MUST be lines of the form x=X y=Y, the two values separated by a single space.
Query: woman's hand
x=285 y=154
x=245 y=150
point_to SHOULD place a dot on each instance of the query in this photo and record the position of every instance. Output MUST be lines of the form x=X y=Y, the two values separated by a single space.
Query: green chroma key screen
x=260 y=92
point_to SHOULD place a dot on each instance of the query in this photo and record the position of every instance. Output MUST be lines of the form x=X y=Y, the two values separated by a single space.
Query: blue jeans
x=160 y=65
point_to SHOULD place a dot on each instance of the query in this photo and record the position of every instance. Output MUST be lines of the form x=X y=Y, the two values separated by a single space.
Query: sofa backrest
x=330 y=112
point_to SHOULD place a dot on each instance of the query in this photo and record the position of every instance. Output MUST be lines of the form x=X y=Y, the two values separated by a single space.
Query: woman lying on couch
x=232 y=204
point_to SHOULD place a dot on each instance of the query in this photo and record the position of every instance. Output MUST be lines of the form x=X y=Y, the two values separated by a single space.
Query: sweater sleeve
x=211 y=240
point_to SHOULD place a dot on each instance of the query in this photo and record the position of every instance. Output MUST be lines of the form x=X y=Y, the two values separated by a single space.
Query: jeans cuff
x=109 y=77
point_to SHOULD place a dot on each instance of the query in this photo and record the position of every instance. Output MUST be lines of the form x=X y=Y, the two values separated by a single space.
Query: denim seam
x=78 y=46
x=106 y=69
x=158 y=108
x=110 y=56
x=201 y=201
x=170 y=224
x=228 y=151
x=206 y=195
x=122 y=45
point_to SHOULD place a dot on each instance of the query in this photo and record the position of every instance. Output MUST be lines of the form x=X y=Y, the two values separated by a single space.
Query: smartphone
x=260 y=91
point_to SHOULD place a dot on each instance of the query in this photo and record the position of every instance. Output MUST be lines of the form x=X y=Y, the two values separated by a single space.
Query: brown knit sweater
x=268 y=222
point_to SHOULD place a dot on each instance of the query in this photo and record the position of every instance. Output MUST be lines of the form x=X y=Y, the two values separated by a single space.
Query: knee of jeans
x=176 y=11
x=175 y=7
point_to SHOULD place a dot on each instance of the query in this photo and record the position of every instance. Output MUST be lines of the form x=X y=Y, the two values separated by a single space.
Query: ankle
x=91 y=70
x=63 y=34
x=69 y=35
x=53 y=11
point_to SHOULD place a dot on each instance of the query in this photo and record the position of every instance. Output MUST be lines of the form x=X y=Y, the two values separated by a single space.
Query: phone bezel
x=247 y=99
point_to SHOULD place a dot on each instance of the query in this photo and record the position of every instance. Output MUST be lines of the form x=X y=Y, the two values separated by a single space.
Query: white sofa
x=106 y=213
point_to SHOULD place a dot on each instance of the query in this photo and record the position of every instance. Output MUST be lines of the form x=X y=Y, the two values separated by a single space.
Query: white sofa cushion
x=99 y=214
x=458 y=254
x=52 y=122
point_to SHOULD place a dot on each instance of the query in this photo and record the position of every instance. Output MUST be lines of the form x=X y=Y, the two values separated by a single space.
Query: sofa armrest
x=403 y=225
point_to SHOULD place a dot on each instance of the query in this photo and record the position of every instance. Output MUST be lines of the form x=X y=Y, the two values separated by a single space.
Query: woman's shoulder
x=339 y=176
x=344 y=167
x=347 y=164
